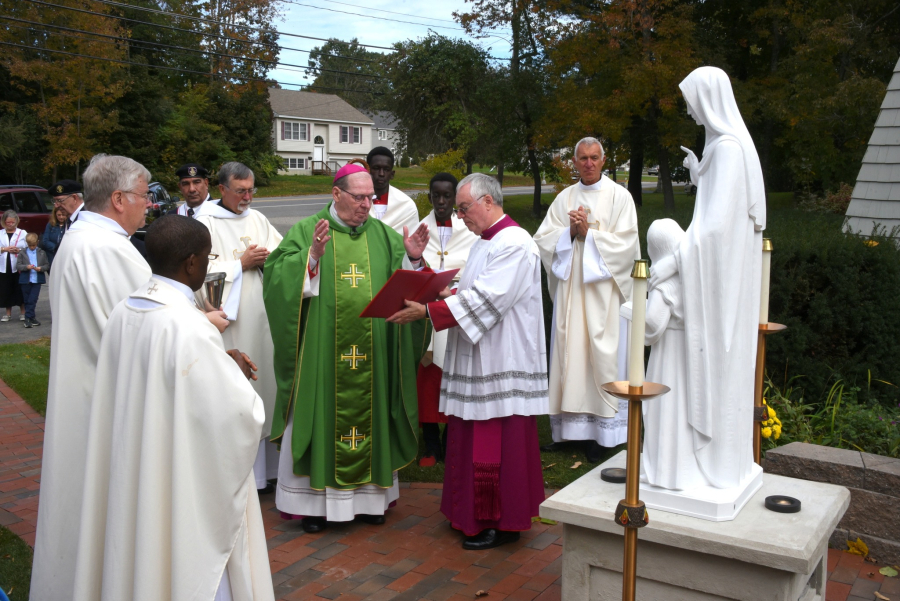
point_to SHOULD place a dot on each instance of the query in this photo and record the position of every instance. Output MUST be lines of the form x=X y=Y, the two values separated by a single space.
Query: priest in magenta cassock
x=95 y=268
x=449 y=242
x=588 y=242
x=170 y=505
x=389 y=205
x=346 y=415
x=242 y=238
x=495 y=374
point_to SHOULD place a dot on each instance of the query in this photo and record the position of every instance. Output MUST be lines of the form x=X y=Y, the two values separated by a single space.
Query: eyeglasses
x=147 y=196
x=359 y=198
x=58 y=200
x=465 y=209
x=243 y=191
x=213 y=256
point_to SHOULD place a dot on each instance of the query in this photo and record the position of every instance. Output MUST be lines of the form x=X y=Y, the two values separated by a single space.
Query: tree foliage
x=185 y=90
x=351 y=72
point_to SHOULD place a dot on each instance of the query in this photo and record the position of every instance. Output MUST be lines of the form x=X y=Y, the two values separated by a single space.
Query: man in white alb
x=170 y=500
x=242 y=239
x=588 y=242
x=495 y=374
x=389 y=205
x=95 y=269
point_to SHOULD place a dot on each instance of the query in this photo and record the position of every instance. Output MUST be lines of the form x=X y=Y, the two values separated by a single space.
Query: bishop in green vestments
x=346 y=410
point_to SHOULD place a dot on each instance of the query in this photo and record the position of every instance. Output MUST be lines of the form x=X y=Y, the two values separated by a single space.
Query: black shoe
x=268 y=490
x=375 y=520
x=313 y=524
x=593 y=451
x=488 y=539
x=35 y=322
x=27 y=323
x=554 y=447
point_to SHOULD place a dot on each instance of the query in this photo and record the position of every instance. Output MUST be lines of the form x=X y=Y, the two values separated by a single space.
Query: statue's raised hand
x=692 y=164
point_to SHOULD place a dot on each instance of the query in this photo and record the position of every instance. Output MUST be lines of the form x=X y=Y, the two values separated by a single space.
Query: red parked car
x=32 y=203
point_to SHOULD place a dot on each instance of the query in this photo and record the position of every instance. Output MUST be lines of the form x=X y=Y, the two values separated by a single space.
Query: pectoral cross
x=153 y=288
x=353 y=357
x=353 y=438
x=353 y=275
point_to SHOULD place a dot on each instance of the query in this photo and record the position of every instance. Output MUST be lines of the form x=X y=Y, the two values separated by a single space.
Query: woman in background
x=54 y=232
x=12 y=240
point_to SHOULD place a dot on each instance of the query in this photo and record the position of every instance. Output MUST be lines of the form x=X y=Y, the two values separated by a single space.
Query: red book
x=419 y=286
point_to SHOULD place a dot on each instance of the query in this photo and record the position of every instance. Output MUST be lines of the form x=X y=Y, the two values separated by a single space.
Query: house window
x=294 y=131
x=295 y=163
x=382 y=134
x=351 y=135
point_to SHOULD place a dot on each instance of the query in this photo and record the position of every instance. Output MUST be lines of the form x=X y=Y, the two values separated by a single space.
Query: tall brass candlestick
x=760 y=414
x=631 y=512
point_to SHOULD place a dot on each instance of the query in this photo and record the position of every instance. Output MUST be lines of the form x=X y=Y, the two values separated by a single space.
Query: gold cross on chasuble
x=353 y=438
x=353 y=275
x=353 y=357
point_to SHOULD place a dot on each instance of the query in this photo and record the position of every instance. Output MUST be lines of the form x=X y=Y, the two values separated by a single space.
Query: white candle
x=638 y=323
x=766 y=274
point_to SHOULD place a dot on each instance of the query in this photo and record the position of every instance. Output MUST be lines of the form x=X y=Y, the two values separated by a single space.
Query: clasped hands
x=578 y=223
x=254 y=256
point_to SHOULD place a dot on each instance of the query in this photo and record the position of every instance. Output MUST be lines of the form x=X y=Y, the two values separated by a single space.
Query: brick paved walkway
x=415 y=555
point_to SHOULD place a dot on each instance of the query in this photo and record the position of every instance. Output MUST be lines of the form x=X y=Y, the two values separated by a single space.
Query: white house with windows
x=387 y=132
x=318 y=133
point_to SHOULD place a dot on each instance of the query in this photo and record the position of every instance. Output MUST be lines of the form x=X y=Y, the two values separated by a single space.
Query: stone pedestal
x=759 y=556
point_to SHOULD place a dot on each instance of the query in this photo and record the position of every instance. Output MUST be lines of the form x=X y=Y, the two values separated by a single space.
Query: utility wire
x=180 y=70
x=277 y=64
x=381 y=10
x=345 y=12
x=194 y=31
x=221 y=23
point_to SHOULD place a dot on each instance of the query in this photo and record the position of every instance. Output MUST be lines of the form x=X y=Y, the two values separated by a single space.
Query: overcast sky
x=299 y=17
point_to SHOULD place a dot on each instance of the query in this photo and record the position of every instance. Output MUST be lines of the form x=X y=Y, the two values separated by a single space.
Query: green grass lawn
x=15 y=565
x=410 y=178
x=25 y=368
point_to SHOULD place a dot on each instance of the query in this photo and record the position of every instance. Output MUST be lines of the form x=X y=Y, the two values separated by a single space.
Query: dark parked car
x=32 y=203
x=161 y=204
x=653 y=171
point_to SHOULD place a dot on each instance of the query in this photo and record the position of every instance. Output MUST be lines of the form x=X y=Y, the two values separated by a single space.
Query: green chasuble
x=350 y=381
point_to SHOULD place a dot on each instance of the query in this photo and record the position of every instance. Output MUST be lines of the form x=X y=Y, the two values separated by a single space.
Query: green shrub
x=839 y=420
x=838 y=295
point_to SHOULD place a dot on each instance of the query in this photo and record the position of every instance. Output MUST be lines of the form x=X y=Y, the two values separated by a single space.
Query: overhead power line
x=346 y=12
x=221 y=23
x=381 y=10
x=181 y=70
x=194 y=31
x=276 y=64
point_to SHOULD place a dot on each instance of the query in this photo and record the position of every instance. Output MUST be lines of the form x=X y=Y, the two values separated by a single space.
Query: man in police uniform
x=193 y=181
x=67 y=194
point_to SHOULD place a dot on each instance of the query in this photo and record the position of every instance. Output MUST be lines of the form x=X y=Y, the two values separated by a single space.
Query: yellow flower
x=766 y=432
x=777 y=434
x=772 y=412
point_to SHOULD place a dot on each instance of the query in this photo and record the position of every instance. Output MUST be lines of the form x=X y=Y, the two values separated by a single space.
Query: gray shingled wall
x=876 y=197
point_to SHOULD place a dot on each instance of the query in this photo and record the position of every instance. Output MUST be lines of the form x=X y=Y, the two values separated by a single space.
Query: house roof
x=383 y=119
x=312 y=105
x=876 y=196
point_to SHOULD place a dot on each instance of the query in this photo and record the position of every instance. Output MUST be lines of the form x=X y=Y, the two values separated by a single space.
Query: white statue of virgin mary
x=719 y=262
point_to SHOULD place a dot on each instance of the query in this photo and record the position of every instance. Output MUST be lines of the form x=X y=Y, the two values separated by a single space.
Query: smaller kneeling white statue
x=669 y=459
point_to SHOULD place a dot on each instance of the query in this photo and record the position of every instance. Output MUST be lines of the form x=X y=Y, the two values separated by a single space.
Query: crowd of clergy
x=168 y=416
